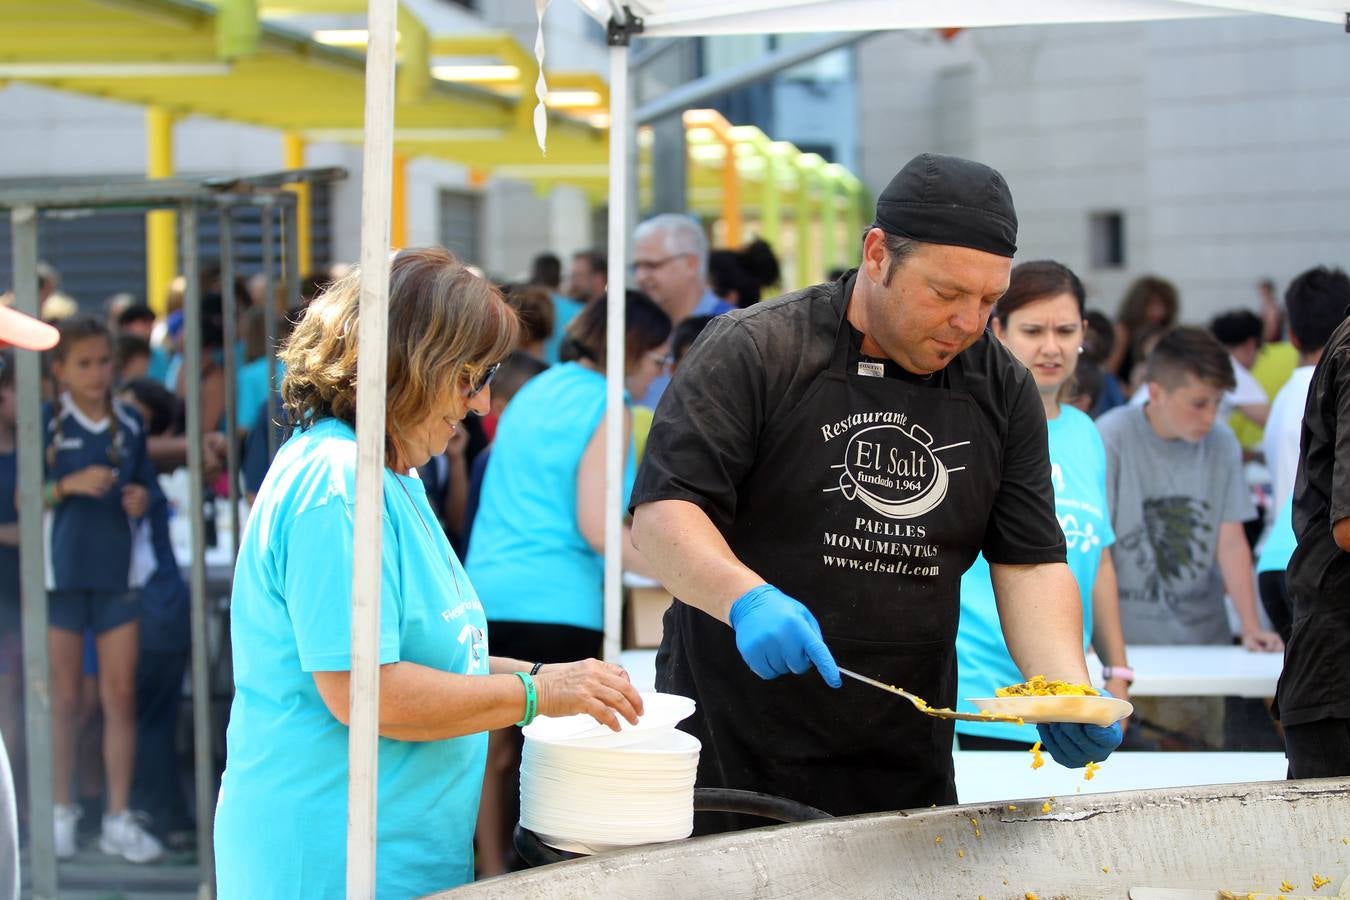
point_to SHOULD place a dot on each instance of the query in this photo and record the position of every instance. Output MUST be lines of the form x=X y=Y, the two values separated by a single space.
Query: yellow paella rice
x=1039 y=687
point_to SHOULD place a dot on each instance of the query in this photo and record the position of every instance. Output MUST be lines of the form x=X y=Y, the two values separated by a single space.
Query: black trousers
x=1274 y=592
x=157 y=783
x=1318 y=749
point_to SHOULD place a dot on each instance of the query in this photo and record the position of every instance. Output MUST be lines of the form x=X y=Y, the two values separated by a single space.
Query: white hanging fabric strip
x=540 y=86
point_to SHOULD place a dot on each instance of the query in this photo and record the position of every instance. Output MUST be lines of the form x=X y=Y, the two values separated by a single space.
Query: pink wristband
x=1124 y=673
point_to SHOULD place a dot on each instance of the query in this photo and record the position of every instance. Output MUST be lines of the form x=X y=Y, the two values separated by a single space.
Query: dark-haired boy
x=1313 y=699
x=1178 y=500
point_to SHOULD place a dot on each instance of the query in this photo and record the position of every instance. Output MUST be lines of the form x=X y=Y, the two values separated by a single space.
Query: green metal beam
x=237 y=29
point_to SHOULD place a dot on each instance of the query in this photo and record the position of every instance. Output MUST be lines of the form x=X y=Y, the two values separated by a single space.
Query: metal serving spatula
x=922 y=705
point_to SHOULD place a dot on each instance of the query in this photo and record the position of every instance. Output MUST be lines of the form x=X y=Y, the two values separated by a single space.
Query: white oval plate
x=1084 y=710
x=659 y=711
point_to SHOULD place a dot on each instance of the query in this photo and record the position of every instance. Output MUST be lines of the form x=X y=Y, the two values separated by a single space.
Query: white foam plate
x=590 y=848
x=1084 y=710
x=660 y=712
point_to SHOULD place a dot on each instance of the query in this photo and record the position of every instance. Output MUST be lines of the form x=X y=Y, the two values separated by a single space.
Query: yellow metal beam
x=414 y=61
x=273 y=9
x=730 y=174
x=293 y=157
x=161 y=258
x=398 y=215
x=502 y=46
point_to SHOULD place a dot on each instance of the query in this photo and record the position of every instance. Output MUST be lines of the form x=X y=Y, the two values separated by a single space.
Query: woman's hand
x=599 y=689
x=135 y=500
x=214 y=447
x=91 y=481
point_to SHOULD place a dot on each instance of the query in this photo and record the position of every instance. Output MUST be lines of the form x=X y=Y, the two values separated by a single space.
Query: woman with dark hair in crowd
x=1150 y=305
x=740 y=276
x=282 y=815
x=534 y=308
x=536 y=553
x=1040 y=320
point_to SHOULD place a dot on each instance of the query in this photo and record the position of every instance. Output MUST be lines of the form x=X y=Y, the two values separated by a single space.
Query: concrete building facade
x=1211 y=151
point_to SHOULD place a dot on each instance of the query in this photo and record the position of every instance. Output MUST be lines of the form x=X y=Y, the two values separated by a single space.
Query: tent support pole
x=372 y=330
x=614 y=338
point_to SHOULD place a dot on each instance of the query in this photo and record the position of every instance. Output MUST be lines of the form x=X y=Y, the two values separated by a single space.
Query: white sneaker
x=124 y=836
x=67 y=818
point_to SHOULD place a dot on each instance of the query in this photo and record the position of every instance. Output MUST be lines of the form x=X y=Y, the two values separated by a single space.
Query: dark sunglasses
x=484 y=379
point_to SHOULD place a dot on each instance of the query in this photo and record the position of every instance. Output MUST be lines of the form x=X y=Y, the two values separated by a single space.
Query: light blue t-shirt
x=251 y=390
x=281 y=821
x=1078 y=473
x=527 y=556
x=1281 y=541
x=565 y=309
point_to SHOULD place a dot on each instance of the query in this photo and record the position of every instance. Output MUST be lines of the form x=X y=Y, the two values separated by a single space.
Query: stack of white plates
x=587 y=789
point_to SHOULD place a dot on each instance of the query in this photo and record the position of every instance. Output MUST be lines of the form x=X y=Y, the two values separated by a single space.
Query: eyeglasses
x=651 y=265
x=484 y=379
x=664 y=360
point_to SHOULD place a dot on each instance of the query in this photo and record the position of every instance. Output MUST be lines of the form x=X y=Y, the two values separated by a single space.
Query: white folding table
x=982 y=776
x=1160 y=671
x=1198 y=671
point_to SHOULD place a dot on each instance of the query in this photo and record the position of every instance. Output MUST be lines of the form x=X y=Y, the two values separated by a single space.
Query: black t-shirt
x=752 y=366
x=1315 y=683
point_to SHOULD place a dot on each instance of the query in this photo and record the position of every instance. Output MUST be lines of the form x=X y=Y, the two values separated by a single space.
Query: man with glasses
x=670 y=264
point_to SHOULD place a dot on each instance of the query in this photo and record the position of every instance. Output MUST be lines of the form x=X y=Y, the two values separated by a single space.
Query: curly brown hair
x=447 y=325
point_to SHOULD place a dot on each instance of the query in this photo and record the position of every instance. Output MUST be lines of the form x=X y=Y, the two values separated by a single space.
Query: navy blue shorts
x=96 y=611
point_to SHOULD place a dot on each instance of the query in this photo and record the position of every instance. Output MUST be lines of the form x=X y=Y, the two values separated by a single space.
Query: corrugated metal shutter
x=98 y=255
x=460 y=224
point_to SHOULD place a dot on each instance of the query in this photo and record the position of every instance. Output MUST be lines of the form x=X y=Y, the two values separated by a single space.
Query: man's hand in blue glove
x=1074 y=746
x=777 y=635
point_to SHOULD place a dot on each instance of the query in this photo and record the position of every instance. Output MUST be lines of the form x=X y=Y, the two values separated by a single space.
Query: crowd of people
x=990 y=443
x=114 y=419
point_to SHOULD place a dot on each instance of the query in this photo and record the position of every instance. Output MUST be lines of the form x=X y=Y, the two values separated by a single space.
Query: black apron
x=866 y=503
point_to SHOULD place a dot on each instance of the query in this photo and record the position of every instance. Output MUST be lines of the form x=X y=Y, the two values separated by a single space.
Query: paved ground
x=92 y=875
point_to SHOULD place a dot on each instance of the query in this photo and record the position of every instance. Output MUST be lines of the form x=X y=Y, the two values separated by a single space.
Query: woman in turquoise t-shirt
x=282 y=813
x=1040 y=319
x=536 y=553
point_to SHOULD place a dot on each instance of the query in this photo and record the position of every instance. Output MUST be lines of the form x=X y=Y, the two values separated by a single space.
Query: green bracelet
x=531 y=699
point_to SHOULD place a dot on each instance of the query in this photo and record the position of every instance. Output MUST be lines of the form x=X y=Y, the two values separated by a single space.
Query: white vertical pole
x=376 y=195
x=614 y=348
x=29 y=441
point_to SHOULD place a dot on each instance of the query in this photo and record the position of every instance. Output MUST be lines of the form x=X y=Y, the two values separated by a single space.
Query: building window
x=1106 y=240
x=460 y=218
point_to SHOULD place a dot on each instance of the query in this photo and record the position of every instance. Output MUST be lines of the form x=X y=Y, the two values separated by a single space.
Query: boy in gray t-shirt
x=1178 y=500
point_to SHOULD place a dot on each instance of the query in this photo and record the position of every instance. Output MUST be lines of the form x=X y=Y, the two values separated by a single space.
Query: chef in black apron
x=821 y=472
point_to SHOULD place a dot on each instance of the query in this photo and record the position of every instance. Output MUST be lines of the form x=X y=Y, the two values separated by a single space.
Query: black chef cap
x=948 y=200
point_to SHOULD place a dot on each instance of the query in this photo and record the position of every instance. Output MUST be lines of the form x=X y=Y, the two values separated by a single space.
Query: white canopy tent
x=675 y=18
x=683 y=18
x=648 y=18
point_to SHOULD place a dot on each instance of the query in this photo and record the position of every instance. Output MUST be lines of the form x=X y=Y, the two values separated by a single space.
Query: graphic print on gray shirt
x=1168 y=499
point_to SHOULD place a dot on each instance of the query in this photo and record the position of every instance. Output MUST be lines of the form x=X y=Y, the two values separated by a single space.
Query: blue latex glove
x=777 y=635
x=1074 y=746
